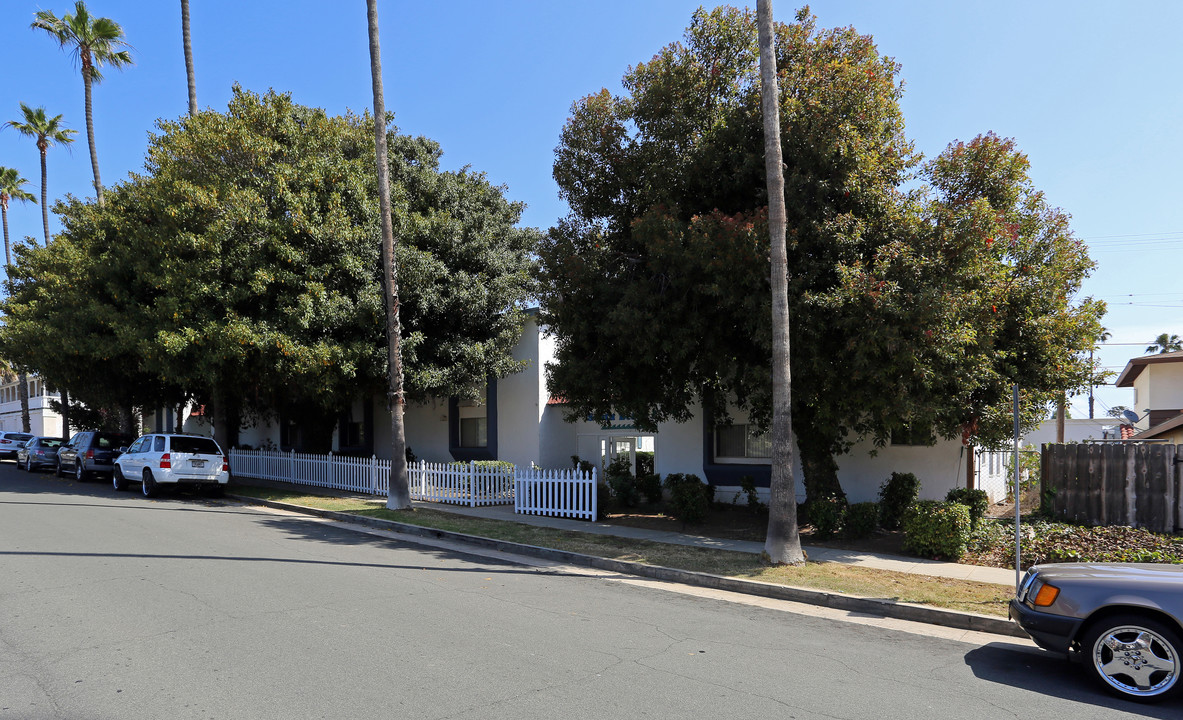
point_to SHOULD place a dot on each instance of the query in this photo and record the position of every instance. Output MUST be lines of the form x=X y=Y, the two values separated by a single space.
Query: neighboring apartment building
x=43 y=420
x=517 y=420
x=1157 y=381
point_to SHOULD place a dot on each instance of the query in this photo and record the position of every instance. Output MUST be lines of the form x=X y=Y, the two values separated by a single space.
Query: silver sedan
x=1124 y=621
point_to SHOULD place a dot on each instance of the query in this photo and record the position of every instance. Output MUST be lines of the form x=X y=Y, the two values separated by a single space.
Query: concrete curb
x=839 y=601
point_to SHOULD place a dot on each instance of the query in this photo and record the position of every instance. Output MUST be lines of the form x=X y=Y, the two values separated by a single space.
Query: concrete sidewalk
x=915 y=566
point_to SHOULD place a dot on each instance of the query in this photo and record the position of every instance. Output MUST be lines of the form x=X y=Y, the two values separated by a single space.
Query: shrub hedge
x=936 y=529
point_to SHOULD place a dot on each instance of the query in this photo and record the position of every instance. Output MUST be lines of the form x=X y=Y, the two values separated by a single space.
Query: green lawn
x=834 y=577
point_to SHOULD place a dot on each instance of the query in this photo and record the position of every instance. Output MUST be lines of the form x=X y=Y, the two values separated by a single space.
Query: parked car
x=165 y=459
x=90 y=453
x=1124 y=621
x=38 y=452
x=10 y=442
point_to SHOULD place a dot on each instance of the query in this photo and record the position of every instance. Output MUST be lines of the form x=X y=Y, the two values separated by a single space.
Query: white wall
x=940 y=468
x=521 y=399
x=1165 y=390
x=1075 y=430
x=426 y=427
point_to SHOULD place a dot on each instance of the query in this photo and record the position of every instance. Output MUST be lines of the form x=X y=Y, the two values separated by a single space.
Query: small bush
x=603 y=500
x=582 y=465
x=689 y=497
x=976 y=500
x=936 y=529
x=623 y=484
x=827 y=515
x=644 y=463
x=649 y=485
x=862 y=519
x=747 y=486
x=895 y=495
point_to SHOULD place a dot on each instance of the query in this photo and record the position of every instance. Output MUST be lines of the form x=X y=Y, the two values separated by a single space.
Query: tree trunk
x=44 y=198
x=23 y=393
x=180 y=427
x=94 y=152
x=7 y=252
x=818 y=465
x=399 y=497
x=66 y=414
x=1060 y=413
x=189 y=73
x=783 y=543
x=227 y=421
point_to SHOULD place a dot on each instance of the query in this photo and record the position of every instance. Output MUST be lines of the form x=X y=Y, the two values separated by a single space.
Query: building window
x=913 y=436
x=742 y=441
x=474 y=432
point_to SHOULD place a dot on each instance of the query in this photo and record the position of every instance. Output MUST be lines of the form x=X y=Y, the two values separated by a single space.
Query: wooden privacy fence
x=560 y=493
x=1134 y=484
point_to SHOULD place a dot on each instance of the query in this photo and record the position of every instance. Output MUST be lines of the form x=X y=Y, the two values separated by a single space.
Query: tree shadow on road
x=1053 y=675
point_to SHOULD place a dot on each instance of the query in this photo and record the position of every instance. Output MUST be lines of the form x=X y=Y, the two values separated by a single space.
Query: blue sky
x=1087 y=89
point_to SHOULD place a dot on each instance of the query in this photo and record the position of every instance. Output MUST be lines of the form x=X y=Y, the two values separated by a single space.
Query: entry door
x=626 y=446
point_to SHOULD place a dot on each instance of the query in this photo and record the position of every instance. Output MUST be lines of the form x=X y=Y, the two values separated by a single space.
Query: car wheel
x=79 y=474
x=149 y=486
x=29 y=464
x=118 y=480
x=1134 y=657
x=19 y=465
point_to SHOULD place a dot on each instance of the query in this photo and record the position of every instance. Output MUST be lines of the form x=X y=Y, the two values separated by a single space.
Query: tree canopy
x=242 y=267
x=909 y=308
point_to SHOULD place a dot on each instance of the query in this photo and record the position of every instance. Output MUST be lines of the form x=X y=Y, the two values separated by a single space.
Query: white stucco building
x=518 y=421
x=43 y=420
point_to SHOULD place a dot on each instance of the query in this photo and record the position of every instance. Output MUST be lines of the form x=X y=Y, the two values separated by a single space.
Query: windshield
x=110 y=441
x=51 y=442
x=204 y=446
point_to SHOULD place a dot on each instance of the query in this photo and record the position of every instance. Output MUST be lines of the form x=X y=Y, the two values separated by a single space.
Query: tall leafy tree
x=1165 y=343
x=12 y=187
x=657 y=284
x=782 y=543
x=94 y=42
x=190 y=75
x=243 y=268
x=905 y=319
x=399 y=496
x=47 y=132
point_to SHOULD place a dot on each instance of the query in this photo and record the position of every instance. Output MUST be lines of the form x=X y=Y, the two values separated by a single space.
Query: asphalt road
x=113 y=606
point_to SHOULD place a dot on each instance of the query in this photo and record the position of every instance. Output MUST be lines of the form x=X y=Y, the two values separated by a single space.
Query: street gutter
x=851 y=603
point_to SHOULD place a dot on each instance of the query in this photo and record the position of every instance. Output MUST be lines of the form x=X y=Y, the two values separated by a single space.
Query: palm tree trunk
x=94 y=152
x=783 y=543
x=23 y=392
x=44 y=198
x=7 y=253
x=399 y=496
x=188 y=57
x=65 y=413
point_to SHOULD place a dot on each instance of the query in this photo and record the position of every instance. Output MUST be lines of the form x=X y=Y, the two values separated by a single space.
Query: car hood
x=1129 y=572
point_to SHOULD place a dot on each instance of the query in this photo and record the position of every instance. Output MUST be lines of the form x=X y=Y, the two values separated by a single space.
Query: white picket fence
x=559 y=493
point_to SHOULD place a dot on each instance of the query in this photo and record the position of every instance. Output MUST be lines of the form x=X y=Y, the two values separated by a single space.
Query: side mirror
x=122 y=449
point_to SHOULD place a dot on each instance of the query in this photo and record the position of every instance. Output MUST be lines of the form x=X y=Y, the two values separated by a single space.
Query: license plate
x=197 y=463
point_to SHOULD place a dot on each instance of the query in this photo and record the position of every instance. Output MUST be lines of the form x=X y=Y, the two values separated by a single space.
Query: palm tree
x=95 y=42
x=48 y=131
x=192 y=77
x=1165 y=343
x=11 y=188
x=782 y=544
x=399 y=497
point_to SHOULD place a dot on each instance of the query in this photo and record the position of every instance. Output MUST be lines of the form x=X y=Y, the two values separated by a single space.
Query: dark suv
x=90 y=453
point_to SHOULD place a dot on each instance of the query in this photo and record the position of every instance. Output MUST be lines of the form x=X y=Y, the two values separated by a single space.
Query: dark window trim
x=728 y=473
x=464 y=454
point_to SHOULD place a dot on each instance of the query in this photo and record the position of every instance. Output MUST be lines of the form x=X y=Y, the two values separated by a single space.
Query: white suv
x=165 y=459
